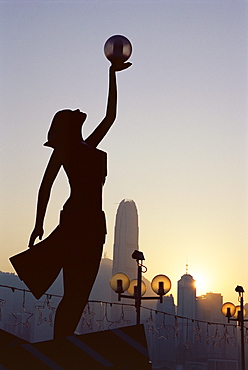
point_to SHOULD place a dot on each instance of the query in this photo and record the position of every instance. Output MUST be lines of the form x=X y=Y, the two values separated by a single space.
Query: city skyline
x=171 y=339
x=178 y=147
x=184 y=308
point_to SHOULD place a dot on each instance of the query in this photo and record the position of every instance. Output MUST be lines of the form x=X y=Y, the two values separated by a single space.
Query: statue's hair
x=57 y=131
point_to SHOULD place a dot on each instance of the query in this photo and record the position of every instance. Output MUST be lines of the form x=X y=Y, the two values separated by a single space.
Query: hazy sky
x=179 y=145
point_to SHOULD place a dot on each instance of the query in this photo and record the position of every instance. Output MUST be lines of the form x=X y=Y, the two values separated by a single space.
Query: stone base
x=124 y=348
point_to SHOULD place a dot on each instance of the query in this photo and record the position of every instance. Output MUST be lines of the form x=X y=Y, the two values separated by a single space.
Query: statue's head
x=66 y=124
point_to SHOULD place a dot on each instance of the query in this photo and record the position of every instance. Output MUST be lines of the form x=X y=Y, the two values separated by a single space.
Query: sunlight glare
x=201 y=284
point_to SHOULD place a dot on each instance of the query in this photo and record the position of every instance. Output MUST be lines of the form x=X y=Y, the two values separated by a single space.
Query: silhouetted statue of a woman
x=78 y=240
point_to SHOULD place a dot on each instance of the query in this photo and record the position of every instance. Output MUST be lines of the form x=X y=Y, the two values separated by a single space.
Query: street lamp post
x=238 y=312
x=136 y=288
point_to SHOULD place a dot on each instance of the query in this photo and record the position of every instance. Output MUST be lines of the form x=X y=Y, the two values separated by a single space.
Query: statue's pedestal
x=124 y=348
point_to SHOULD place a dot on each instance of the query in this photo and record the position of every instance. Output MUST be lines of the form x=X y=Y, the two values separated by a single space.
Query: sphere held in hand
x=117 y=49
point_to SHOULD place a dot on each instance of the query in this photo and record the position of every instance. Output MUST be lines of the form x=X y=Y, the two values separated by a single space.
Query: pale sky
x=179 y=145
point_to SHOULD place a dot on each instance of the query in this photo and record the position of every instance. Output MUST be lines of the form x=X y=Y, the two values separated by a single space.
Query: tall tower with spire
x=186 y=293
x=186 y=307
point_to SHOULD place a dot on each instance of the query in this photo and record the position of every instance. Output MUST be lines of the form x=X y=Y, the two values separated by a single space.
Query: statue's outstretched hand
x=37 y=232
x=120 y=66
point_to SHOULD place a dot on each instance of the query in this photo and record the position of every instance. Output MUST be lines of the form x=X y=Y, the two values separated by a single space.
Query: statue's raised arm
x=98 y=134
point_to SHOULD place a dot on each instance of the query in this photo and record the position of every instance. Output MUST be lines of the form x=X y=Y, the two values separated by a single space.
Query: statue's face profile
x=78 y=117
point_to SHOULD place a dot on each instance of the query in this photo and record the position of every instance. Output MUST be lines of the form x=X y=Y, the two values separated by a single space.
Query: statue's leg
x=79 y=273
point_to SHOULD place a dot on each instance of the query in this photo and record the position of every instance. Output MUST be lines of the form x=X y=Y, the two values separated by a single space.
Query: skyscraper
x=186 y=293
x=186 y=307
x=125 y=242
x=126 y=238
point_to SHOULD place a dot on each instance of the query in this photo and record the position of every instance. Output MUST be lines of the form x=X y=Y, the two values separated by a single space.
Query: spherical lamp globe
x=238 y=308
x=228 y=309
x=119 y=282
x=133 y=286
x=161 y=284
x=117 y=49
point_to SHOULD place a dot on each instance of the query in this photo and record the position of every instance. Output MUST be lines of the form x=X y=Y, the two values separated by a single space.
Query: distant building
x=186 y=296
x=208 y=307
x=222 y=353
x=186 y=307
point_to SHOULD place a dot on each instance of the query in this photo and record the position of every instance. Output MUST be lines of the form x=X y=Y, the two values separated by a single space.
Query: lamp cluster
x=230 y=310
x=121 y=283
x=136 y=288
